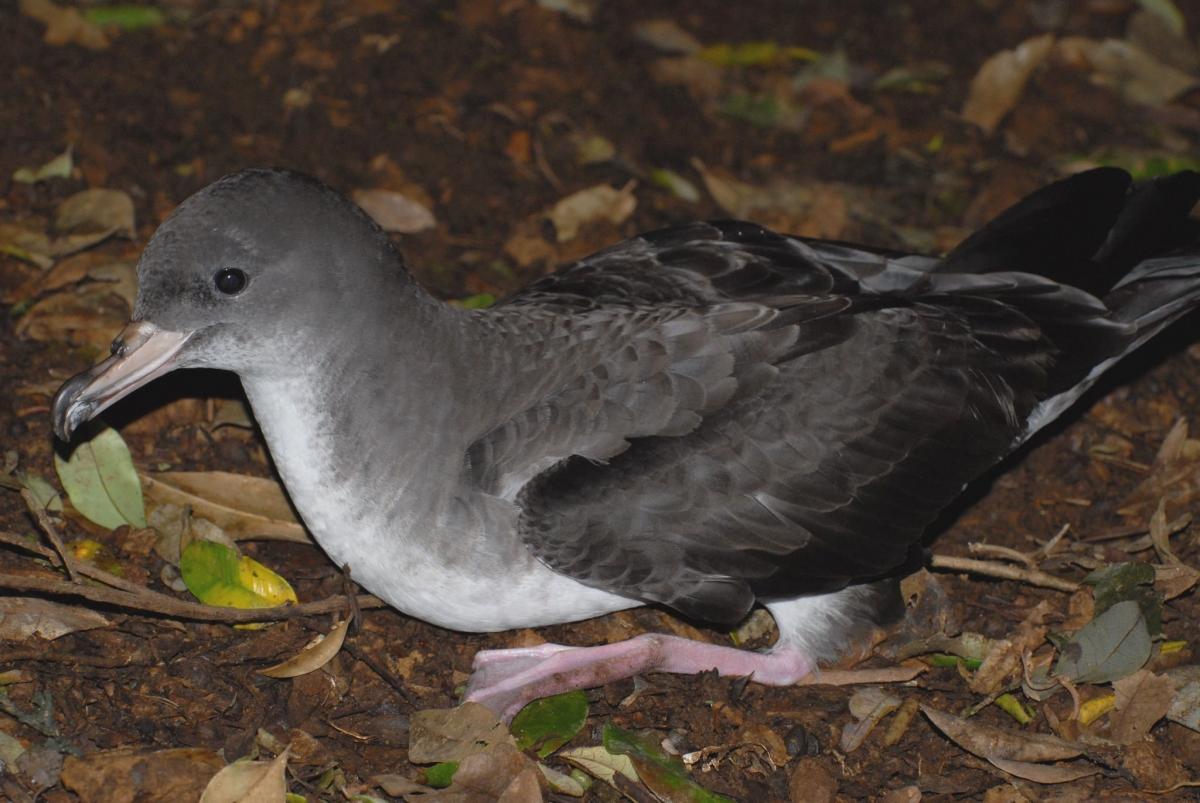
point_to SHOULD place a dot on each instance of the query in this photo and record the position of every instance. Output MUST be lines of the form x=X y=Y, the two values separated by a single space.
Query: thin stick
x=43 y=520
x=148 y=601
x=1003 y=571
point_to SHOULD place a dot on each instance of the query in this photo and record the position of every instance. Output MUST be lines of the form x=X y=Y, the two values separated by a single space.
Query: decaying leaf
x=868 y=706
x=665 y=775
x=23 y=617
x=64 y=25
x=314 y=655
x=452 y=734
x=1001 y=80
x=87 y=315
x=176 y=774
x=1131 y=581
x=1174 y=476
x=93 y=215
x=816 y=209
x=394 y=211
x=597 y=203
x=1127 y=69
x=249 y=782
x=600 y=763
x=1185 y=705
x=1143 y=698
x=1115 y=644
x=498 y=773
x=244 y=507
x=1015 y=752
x=667 y=36
x=101 y=481
x=1003 y=661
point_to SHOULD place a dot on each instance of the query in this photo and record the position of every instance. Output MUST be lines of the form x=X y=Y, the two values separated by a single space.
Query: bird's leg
x=506 y=680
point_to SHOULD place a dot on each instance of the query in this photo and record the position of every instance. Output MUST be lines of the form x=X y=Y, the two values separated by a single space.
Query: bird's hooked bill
x=140 y=353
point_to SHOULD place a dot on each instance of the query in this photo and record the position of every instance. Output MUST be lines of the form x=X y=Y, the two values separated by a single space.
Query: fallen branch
x=147 y=601
x=1003 y=571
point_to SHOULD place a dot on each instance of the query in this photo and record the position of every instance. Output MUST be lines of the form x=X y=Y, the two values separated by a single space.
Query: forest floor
x=466 y=124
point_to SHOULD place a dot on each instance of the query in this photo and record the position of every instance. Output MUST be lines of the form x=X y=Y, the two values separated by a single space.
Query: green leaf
x=126 y=17
x=477 y=301
x=102 y=483
x=551 y=722
x=43 y=492
x=1128 y=581
x=218 y=575
x=441 y=775
x=665 y=775
x=1113 y=645
x=1168 y=13
x=58 y=167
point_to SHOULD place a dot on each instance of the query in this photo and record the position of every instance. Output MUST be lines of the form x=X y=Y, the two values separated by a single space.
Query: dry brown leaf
x=1001 y=80
x=1174 y=581
x=177 y=774
x=1045 y=773
x=249 y=782
x=1174 y=477
x=499 y=774
x=315 y=654
x=399 y=786
x=594 y=204
x=87 y=316
x=868 y=706
x=64 y=25
x=1128 y=70
x=1003 y=662
x=26 y=240
x=98 y=213
x=394 y=211
x=667 y=36
x=1014 y=752
x=24 y=617
x=989 y=742
x=1143 y=698
x=244 y=507
x=814 y=209
x=452 y=734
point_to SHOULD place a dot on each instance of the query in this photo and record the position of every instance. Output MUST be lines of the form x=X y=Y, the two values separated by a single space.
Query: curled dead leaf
x=999 y=83
x=314 y=655
x=245 y=507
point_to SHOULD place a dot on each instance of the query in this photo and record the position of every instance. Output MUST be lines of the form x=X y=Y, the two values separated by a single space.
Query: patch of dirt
x=482 y=105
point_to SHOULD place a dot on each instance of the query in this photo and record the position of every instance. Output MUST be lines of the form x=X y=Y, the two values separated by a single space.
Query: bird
x=706 y=417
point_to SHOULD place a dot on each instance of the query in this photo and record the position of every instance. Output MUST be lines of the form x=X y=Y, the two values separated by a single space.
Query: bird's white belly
x=398 y=560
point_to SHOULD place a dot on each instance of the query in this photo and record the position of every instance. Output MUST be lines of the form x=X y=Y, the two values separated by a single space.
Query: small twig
x=380 y=670
x=1003 y=552
x=1003 y=571
x=43 y=520
x=148 y=601
x=1047 y=548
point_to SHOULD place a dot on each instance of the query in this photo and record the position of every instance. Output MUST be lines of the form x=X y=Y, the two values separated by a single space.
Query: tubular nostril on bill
x=118 y=347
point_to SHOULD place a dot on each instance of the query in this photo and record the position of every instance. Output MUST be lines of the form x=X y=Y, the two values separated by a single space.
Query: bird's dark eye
x=230 y=281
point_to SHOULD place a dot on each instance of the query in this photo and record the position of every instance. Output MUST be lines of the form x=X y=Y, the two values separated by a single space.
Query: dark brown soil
x=447 y=93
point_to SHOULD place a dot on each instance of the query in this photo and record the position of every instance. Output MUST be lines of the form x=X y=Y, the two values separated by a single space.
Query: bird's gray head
x=238 y=277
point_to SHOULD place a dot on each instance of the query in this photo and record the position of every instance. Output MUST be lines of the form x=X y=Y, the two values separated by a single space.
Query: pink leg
x=506 y=680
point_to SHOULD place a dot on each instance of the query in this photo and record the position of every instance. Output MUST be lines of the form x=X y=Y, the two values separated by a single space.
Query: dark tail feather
x=1087 y=231
x=1053 y=232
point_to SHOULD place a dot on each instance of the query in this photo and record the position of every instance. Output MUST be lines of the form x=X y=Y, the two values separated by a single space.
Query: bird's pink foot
x=506 y=680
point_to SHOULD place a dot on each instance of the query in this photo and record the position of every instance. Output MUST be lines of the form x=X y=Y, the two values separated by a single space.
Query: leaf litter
x=756 y=79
